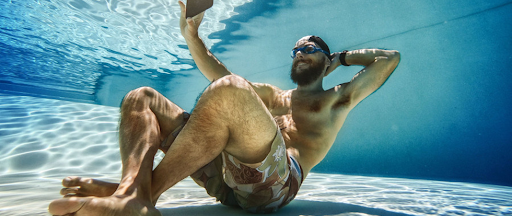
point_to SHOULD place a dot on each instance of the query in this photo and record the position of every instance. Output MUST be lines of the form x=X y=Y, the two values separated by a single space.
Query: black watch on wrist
x=342 y=58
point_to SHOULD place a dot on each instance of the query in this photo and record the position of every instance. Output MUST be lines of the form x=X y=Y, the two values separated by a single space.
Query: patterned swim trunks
x=258 y=188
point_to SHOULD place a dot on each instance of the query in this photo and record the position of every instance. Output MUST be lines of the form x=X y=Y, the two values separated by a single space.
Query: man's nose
x=299 y=54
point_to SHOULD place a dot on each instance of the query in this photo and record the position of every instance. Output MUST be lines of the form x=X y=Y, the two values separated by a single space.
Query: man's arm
x=211 y=68
x=379 y=64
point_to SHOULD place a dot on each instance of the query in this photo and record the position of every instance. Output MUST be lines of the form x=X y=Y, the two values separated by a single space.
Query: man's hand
x=334 y=63
x=189 y=26
x=207 y=63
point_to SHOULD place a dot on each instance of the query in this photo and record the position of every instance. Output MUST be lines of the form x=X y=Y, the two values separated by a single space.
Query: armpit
x=343 y=97
x=343 y=100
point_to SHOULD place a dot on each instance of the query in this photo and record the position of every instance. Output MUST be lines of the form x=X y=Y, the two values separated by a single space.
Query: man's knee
x=138 y=97
x=229 y=84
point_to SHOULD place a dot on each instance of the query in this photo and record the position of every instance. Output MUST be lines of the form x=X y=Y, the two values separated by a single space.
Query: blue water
x=444 y=114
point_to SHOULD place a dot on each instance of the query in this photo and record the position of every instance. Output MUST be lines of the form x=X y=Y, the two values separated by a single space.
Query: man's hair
x=320 y=43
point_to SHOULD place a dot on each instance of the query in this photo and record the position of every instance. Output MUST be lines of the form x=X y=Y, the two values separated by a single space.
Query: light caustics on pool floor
x=44 y=140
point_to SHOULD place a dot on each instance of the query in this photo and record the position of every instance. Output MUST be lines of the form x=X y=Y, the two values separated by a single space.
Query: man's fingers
x=333 y=55
x=183 y=9
x=197 y=19
x=191 y=23
x=194 y=22
x=182 y=5
x=200 y=16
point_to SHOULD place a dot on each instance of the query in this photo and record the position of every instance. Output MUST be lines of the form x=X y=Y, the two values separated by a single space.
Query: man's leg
x=229 y=116
x=147 y=118
x=168 y=121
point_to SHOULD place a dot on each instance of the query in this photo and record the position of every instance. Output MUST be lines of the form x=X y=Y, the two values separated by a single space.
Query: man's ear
x=328 y=69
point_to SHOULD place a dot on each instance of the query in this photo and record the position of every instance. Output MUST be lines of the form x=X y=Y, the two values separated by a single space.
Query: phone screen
x=194 y=7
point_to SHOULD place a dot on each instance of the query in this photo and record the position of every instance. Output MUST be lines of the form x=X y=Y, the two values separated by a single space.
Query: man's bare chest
x=306 y=119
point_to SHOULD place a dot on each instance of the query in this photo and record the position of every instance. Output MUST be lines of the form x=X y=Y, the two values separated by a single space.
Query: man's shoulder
x=268 y=93
x=339 y=89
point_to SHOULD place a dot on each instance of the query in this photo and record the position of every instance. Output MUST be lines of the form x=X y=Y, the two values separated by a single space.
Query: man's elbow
x=394 y=56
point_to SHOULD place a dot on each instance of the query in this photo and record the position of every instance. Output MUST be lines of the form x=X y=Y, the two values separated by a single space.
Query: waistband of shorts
x=296 y=162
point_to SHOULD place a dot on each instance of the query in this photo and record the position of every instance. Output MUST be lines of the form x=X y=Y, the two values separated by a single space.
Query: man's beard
x=307 y=76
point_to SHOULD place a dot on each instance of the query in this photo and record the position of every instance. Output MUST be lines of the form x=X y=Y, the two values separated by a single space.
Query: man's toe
x=71 y=181
x=69 y=191
x=66 y=206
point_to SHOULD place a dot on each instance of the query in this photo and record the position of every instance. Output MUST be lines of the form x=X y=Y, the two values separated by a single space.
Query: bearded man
x=248 y=144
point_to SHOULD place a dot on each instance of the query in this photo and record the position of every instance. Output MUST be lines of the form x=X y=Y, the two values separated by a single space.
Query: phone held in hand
x=195 y=7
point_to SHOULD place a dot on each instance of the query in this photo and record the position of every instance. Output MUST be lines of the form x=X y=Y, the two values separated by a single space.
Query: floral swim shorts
x=258 y=188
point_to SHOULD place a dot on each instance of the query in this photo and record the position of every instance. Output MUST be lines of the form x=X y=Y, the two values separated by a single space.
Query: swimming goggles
x=309 y=49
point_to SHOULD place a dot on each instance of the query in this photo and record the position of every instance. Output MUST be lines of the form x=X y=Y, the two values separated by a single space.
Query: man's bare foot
x=119 y=205
x=78 y=186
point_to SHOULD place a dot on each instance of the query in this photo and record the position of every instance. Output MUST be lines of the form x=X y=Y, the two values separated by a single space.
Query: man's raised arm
x=211 y=68
x=379 y=64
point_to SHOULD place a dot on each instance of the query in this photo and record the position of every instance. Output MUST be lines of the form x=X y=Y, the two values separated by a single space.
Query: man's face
x=307 y=68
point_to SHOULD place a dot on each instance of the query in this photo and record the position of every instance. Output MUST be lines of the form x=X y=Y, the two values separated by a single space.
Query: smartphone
x=195 y=7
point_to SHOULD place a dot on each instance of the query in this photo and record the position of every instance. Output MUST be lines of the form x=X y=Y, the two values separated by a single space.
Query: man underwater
x=248 y=144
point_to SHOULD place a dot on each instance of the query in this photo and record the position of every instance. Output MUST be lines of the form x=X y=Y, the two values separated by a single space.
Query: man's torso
x=309 y=122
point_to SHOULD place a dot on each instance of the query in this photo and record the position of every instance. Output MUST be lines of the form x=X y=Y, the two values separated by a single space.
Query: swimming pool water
x=46 y=140
x=444 y=114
